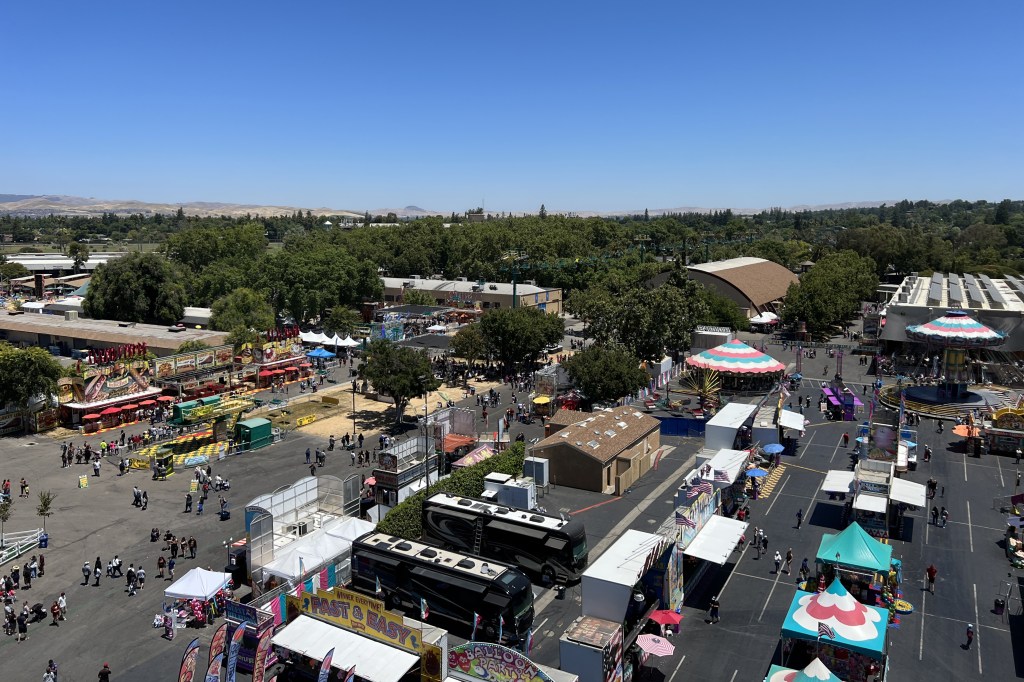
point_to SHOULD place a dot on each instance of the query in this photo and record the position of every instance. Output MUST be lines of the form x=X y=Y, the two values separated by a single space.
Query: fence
x=681 y=426
x=16 y=544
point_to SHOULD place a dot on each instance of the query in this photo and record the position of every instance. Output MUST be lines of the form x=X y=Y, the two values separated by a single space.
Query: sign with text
x=358 y=613
x=494 y=663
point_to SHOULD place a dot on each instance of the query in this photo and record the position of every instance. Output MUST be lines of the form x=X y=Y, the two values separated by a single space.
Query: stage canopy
x=814 y=672
x=858 y=627
x=736 y=357
x=856 y=549
x=198 y=584
x=955 y=329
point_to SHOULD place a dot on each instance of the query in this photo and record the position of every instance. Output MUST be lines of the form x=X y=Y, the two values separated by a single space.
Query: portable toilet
x=253 y=434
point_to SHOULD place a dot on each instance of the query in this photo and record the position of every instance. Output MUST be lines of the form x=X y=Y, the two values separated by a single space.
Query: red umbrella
x=110 y=411
x=305 y=364
x=166 y=399
x=147 y=403
x=665 y=617
x=266 y=373
x=129 y=407
x=291 y=369
x=278 y=371
x=91 y=416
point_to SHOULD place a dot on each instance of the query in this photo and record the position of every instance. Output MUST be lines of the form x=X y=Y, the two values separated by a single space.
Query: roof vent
x=465 y=563
x=428 y=553
x=403 y=546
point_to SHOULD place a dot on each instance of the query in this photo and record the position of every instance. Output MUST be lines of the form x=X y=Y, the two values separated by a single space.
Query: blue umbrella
x=910 y=443
x=773 y=448
x=757 y=473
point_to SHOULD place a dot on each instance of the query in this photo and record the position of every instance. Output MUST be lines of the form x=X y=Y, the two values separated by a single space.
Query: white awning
x=907 y=492
x=717 y=539
x=729 y=463
x=871 y=503
x=373 y=660
x=791 y=420
x=837 y=482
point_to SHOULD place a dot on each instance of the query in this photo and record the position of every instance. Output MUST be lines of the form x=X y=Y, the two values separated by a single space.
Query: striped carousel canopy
x=956 y=329
x=736 y=357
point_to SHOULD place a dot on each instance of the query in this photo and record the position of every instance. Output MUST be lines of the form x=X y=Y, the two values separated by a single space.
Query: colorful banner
x=184 y=363
x=494 y=663
x=259 y=666
x=106 y=382
x=325 y=666
x=220 y=637
x=236 y=644
x=358 y=613
x=188 y=661
x=163 y=368
x=213 y=672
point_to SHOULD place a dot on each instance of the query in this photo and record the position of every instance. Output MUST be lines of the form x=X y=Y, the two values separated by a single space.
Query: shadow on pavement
x=827 y=515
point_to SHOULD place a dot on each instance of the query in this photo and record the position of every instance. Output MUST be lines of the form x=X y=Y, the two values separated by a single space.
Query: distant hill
x=59 y=204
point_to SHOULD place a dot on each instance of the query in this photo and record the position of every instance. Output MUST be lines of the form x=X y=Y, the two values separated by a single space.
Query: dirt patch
x=291 y=416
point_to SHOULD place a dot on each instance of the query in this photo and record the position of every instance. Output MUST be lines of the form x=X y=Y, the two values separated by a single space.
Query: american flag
x=682 y=520
x=705 y=487
x=693 y=492
x=825 y=631
x=721 y=476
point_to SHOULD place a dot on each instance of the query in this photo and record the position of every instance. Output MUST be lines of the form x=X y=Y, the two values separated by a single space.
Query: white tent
x=348 y=342
x=309 y=337
x=334 y=341
x=316 y=548
x=765 y=318
x=437 y=328
x=197 y=584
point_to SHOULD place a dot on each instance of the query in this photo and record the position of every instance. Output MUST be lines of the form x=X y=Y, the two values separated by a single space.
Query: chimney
x=39 y=284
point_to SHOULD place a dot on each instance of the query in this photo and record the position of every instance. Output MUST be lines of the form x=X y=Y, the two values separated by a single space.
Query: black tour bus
x=454 y=586
x=551 y=547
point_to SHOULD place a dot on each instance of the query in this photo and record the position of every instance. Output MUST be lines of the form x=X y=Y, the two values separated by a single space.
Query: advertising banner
x=184 y=363
x=213 y=672
x=233 y=648
x=188 y=662
x=220 y=638
x=106 y=382
x=259 y=666
x=494 y=663
x=358 y=613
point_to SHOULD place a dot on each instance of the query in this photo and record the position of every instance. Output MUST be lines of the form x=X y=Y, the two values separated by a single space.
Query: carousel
x=739 y=366
x=954 y=333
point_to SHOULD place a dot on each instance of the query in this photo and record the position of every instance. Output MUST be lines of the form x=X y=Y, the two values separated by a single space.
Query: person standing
x=161 y=566
x=188 y=503
x=192 y=546
x=778 y=561
x=307 y=455
x=97 y=571
x=805 y=570
x=62 y=602
x=789 y=561
x=713 y=610
x=55 y=612
x=86 y=572
x=935 y=515
x=96 y=468
x=23 y=627
x=199 y=508
x=170 y=569
x=799 y=518
x=846 y=439
x=970 y=635
x=104 y=673
x=140 y=575
x=931 y=572
x=944 y=515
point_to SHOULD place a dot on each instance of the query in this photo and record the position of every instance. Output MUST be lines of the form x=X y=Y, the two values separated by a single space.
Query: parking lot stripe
x=770 y=593
x=678 y=666
x=970 y=530
x=920 y=647
x=807 y=445
x=977 y=639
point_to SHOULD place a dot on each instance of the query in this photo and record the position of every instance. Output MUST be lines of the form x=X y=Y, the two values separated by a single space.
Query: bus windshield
x=519 y=591
x=579 y=547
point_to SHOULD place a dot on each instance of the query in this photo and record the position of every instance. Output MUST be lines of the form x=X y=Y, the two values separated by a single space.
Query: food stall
x=815 y=671
x=861 y=562
x=198 y=596
x=856 y=651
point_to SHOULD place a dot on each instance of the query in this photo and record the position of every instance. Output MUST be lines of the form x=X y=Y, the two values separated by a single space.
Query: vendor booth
x=874 y=497
x=199 y=596
x=856 y=652
x=861 y=562
x=816 y=671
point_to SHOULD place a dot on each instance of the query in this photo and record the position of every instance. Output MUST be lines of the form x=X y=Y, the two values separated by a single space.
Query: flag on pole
x=682 y=520
x=705 y=487
x=501 y=627
x=693 y=492
x=302 y=569
x=233 y=649
x=220 y=638
x=529 y=640
x=325 y=666
x=213 y=672
x=188 y=661
x=476 y=623
x=259 y=666
x=825 y=631
x=378 y=587
x=424 y=609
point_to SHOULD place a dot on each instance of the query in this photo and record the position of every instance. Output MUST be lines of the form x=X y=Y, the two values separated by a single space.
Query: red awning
x=291 y=369
x=129 y=406
x=110 y=411
x=166 y=399
x=305 y=364
x=266 y=373
x=91 y=416
x=278 y=371
x=146 y=403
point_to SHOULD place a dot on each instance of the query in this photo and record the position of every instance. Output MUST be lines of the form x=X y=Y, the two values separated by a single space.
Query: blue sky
x=585 y=106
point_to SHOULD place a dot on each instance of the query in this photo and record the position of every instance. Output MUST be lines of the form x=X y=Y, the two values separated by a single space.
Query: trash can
x=1000 y=607
x=44 y=541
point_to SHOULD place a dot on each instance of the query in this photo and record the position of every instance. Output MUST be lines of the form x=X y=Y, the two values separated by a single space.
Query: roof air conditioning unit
x=70 y=315
x=493 y=287
x=415 y=277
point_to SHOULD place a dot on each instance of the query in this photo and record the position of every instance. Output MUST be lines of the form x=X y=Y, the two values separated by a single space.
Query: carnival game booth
x=816 y=671
x=95 y=394
x=861 y=563
x=277 y=358
x=198 y=596
x=1005 y=431
x=875 y=498
x=848 y=637
x=740 y=366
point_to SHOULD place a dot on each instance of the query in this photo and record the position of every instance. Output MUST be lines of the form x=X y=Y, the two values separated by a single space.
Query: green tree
x=417 y=297
x=830 y=294
x=469 y=343
x=79 y=254
x=341 y=321
x=192 y=345
x=516 y=336
x=27 y=374
x=399 y=372
x=200 y=246
x=6 y=509
x=139 y=287
x=13 y=270
x=242 y=309
x=45 y=507
x=724 y=312
x=606 y=372
x=543 y=213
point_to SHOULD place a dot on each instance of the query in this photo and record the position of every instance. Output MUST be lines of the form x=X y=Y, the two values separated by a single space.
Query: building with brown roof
x=562 y=418
x=604 y=451
x=755 y=284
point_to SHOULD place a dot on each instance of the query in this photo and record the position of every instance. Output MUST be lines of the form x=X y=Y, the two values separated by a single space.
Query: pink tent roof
x=956 y=329
x=736 y=357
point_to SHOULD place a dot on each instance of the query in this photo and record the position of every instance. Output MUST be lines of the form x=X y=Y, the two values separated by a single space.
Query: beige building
x=756 y=285
x=605 y=451
x=463 y=293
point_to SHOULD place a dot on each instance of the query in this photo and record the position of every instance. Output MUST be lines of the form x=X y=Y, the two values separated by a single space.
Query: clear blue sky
x=577 y=105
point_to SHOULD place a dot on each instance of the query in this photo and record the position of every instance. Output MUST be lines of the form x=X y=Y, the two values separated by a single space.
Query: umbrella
x=91 y=416
x=129 y=407
x=773 y=448
x=166 y=399
x=305 y=364
x=291 y=369
x=655 y=646
x=910 y=443
x=797 y=376
x=266 y=373
x=757 y=473
x=147 y=403
x=110 y=410
x=371 y=481
x=666 y=617
x=278 y=372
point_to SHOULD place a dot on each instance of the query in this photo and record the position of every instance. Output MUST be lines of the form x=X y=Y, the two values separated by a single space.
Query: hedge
x=406 y=519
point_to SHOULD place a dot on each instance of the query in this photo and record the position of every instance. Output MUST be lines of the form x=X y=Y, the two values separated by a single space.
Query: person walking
x=764 y=543
x=778 y=561
x=140 y=575
x=713 y=610
x=97 y=571
x=55 y=612
x=944 y=515
x=62 y=602
x=931 y=572
x=188 y=503
x=145 y=500
x=86 y=572
x=161 y=566
x=192 y=546
x=104 y=673
x=170 y=569
x=96 y=468
x=789 y=561
x=935 y=515
x=799 y=518
x=805 y=570
x=846 y=439
x=199 y=508
x=970 y=635
x=307 y=455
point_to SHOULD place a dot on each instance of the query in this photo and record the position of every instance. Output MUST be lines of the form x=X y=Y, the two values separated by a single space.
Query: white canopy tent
x=871 y=503
x=348 y=342
x=316 y=548
x=334 y=340
x=908 y=492
x=309 y=337
x=198 y=583
x=437 y=328
x=765 y=318
x=791 y=420
x=838 y=482
x=717 y=539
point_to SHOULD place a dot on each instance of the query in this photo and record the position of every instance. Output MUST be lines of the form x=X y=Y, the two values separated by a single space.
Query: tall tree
x=417 y=297
x=399 y=372
x=469 y=343
x=605 y=373
x=27 y=374
x=139 y=287
x=341 y=321
x=516 y=336
x=242 y=309
x=79 y=254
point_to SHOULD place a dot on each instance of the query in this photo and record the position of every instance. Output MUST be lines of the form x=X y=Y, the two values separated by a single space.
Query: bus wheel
x=548 y=573
x=490 y=633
